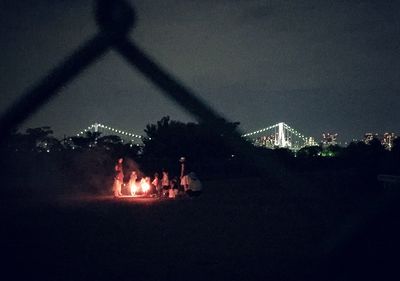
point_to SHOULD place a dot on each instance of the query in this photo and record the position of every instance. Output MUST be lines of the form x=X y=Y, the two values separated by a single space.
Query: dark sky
x=320 y=66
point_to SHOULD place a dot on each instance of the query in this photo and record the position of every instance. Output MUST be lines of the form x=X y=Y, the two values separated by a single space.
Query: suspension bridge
x=279 y=135
x=108 y=130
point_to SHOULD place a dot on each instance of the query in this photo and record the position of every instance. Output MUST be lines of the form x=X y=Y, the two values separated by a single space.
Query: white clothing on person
x=192 y=182
x=133 y=187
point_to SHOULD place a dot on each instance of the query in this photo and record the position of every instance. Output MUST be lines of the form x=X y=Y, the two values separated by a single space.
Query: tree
x=109 y=142
x=173 y=139
x=331 y=151
x=309 y=151
x=34 y=140
x=396 y=148
x=88 y=140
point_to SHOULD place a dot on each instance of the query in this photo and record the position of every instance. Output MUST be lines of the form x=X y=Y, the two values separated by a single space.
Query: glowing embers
x=139 y=188
x=145 y=184
x=134 y=188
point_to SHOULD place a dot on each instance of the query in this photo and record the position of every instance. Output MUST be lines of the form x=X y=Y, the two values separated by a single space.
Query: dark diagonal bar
x=169 y=86
x=47 y=87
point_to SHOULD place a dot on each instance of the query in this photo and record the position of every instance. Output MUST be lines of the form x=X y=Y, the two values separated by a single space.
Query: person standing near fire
x=156 y=185
x=182 y=161
x=165 y=182
x=132 y=183
x=118 y=178
x=183 y=179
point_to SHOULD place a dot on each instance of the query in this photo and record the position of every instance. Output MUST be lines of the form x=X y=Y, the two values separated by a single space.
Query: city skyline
x=325 y=138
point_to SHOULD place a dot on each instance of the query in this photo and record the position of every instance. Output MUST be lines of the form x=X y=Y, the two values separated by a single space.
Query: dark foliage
x=36 y=160
x=173 y=139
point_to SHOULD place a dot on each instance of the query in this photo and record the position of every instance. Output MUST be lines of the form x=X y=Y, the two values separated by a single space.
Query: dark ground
x=240 y=229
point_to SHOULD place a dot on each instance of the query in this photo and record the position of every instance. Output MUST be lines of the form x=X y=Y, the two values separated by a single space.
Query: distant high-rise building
x=311 y=142
x=387 y=140
x=369 y=137
x=329 y=139
x=265 y=141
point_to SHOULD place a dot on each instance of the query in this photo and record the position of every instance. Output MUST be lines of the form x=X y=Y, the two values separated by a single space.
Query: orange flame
x=145 y=185
x=133 y=188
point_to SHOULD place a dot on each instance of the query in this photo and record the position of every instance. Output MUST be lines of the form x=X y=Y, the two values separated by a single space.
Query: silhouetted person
x=132 y=183
x=182 y=175
x=173 y=185
x=118 y=178
x=156 y=184
x=165 y=181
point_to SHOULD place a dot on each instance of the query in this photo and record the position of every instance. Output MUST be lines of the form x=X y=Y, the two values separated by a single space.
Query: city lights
x=280 y=135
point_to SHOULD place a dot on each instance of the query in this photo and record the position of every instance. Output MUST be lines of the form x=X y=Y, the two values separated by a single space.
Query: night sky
x=319 y=66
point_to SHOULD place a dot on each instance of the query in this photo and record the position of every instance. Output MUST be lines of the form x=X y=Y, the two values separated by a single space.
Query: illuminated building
x=368 y=137
x=387 y=140
x=265 y=141
x=329 y=139
x=311 y=142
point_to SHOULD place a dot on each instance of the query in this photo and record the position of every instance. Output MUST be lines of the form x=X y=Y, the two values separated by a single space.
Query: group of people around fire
x=188 y=184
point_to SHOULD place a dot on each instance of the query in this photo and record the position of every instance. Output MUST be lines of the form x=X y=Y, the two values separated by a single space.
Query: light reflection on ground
x=84 y=199
x=138 y=199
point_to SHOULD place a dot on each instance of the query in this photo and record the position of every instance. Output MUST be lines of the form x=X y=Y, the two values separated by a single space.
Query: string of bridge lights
x=121 y=132
x=290 y=129
x=114 y=130
x=260 y=131
x=293 y=131
x=272 y=127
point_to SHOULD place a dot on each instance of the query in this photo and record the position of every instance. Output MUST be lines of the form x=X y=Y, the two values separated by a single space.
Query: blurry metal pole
x=189 y=102
x=114 y=18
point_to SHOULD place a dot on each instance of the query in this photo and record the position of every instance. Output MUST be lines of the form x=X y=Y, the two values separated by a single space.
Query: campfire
x=139 y=188
x=145 y=185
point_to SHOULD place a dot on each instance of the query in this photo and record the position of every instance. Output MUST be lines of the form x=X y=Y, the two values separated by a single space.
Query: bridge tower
x=281 y=138
x=96 y=127
x=280 y=135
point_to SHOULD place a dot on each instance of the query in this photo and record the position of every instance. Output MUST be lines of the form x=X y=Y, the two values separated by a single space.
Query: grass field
x=242 y=229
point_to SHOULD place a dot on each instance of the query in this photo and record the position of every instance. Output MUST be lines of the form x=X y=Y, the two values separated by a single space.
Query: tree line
x=35 y=158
